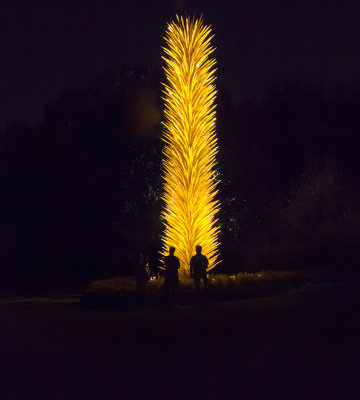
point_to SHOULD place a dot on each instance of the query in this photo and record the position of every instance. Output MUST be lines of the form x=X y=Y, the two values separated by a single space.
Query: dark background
x=80 y=135
x=51 y=46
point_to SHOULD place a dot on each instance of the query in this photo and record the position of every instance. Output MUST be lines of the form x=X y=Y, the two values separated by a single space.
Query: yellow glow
x=190 y=142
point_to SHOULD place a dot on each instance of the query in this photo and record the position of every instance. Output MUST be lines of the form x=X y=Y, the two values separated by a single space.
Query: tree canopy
x=82 y=189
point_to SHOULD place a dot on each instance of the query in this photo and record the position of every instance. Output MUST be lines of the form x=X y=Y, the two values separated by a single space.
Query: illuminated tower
x=190 y=142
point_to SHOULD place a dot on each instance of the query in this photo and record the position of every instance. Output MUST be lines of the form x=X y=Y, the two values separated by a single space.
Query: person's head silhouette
x=198 y=249
x=172 y=250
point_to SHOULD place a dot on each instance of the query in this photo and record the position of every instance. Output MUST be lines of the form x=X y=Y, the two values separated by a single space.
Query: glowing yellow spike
x=190 y=143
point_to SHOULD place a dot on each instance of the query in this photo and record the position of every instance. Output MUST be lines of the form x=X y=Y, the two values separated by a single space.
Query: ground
x=300 y=345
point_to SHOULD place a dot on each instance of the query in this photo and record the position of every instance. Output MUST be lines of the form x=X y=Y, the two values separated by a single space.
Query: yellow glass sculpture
x=190 y=143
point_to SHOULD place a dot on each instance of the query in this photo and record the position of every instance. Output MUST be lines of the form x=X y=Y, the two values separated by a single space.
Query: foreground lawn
x=300 y=345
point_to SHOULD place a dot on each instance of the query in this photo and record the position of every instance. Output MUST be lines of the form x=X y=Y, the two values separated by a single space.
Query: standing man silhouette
x=198 y=265
x=172 y=265
x=142 y=278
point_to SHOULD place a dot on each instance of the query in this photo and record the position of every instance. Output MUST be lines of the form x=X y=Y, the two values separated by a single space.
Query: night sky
x=50 y=46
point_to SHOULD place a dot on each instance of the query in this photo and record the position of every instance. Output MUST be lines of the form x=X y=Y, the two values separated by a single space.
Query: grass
x=120 y=291
x=295 y=345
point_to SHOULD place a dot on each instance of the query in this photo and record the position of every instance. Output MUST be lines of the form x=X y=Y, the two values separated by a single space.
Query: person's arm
x=206 y=262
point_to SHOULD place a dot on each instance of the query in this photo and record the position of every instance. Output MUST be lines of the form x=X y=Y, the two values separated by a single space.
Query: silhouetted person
x=198 y=265
x=172 y=265
x=142 y=278
x=153 y=268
